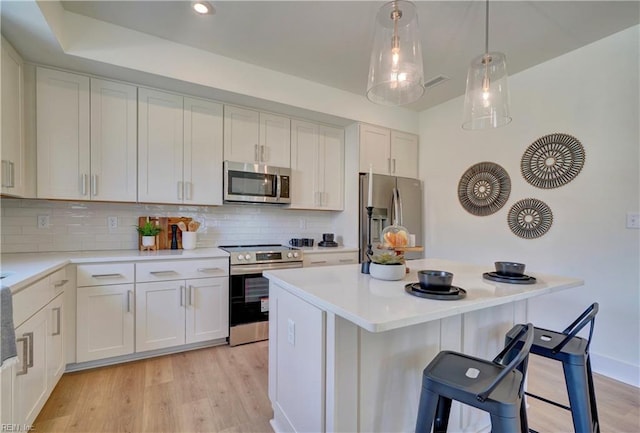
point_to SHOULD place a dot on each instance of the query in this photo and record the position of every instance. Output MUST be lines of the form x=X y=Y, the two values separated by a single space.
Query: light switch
x=633 y=220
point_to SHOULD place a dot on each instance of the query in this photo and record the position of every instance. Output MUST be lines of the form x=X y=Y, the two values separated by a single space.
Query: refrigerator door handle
x=399 y=207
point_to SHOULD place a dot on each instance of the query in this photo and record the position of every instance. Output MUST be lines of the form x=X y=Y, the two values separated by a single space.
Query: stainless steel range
x=249 y=290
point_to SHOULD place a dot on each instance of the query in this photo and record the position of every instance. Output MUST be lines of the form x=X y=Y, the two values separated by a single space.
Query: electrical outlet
x=291 y=332
x=43 y=221
x=112 y=222
x=633 y=220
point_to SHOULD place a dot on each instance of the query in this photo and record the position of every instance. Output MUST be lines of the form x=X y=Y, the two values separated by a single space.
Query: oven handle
x=257 y=269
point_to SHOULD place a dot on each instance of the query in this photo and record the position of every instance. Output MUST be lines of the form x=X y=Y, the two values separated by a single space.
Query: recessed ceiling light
x=202 y=7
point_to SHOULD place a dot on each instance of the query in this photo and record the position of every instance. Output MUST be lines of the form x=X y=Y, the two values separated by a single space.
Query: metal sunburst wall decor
x=552 y=161
x=484 y=188
x=530 y=218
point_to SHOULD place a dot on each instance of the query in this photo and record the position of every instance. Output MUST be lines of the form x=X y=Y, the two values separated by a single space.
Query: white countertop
x=26 y=268
x=378 y=306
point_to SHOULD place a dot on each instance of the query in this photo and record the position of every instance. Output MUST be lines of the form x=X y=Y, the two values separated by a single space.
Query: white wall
x=591 y=93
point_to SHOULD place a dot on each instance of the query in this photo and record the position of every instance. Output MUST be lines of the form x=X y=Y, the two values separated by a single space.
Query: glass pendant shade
x=396 y=74
x=486 y=102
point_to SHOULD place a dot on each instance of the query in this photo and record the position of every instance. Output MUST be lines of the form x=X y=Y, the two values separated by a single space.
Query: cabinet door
x=13 y=145
x=404 y=154
x=275 y=140
x=202 y=152
x=305 y=191
x=113 y=141
x=374 y=149
x=30 y=388
x=160 y=146
x=55 y=341
x=331 y=168
x=104 y=321
x=160 y=315
x=207 y=311
x=62 y=110
x=241 y=140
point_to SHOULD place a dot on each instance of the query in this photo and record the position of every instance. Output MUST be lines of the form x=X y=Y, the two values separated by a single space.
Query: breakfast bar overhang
x=346 y=351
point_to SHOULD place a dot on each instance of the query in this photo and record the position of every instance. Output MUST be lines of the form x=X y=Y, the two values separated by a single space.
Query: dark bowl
x=435 y=280
x=510 y=268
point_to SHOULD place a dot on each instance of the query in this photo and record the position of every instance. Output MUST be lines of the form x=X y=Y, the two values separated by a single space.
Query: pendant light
x=396 y=75
x=486 y=101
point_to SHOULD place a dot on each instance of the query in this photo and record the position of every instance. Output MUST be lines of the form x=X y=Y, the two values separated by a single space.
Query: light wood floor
x=224 y=389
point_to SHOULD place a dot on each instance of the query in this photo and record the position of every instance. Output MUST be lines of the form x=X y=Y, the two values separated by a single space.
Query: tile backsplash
x=82 y=226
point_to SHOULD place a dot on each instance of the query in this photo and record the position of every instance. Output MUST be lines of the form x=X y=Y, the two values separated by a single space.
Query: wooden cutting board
x=163 y=240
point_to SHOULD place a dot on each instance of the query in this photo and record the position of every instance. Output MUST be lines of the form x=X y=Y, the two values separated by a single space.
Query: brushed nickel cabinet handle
x=83 y=184
x=180 y=189
x=5 y=172
x=12 y=175
x=106 y=275
x=262 y=153
x=29 y=336
x=191 y=295
x=255 y=153
x=189 y=190
x=58 y=330
x=394 y=166
x=24 y=369
x=181 y=296
x=155 y=273
x=318 y=262
x=129 y=293
x=94 y=185
x=62 y=283
x=347 y=260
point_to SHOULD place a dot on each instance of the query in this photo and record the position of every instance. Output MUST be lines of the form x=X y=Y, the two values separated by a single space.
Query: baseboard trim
x=616 y=369
x=141 y=355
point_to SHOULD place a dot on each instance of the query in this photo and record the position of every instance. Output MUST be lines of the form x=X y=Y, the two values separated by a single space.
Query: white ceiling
x=329 y=41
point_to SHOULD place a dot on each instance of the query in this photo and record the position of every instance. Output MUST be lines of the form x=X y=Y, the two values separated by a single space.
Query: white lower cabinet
x=105 y=322
x=171 y=313
x=105 y=311
x=30 y=379
x=40 y=345
x=174 y=308
x=330 y=259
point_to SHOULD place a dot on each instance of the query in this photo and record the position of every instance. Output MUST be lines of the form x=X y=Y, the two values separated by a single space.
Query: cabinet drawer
x=330 y=259
x=58 y=281
x=181 y=269
x=29 y=300
x=105 y=273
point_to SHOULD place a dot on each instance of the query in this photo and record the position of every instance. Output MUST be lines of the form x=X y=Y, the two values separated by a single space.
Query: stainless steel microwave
x=256 y=183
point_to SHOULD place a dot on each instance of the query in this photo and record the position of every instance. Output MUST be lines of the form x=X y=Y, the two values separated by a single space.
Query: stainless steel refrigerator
x=409 y=209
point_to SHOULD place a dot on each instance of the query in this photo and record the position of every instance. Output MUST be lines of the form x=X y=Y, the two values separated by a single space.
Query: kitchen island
x=346 y=351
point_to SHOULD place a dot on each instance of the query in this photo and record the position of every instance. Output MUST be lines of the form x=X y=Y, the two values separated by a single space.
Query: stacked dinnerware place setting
x=509 y=272
x=437 y=285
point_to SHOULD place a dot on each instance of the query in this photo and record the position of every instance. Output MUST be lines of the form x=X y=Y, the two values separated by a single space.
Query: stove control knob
x=289 y=255
x=295 y=255
x=240 y=257
x=247 y=256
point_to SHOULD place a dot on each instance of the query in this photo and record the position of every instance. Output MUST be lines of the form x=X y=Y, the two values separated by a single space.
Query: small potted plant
x=387 y=266
x=148 y=231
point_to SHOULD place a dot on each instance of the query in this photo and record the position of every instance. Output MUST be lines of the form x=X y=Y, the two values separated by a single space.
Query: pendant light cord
x=486 y=27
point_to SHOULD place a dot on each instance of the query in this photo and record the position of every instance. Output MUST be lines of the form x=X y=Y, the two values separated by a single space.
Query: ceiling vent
x=435 y=81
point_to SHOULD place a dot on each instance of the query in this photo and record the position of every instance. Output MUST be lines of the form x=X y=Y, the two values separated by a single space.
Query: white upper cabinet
x=404 y=154
x=202 y=152
x=254 y=137
x=160 y=145
x=317 y=166
x=12 y=170
x=388 y=152
x=113 y=141
x=86 y=145
x=179 y=149
x=62 y=109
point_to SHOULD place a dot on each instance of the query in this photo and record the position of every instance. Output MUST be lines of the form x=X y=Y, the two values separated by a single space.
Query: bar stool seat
x=491 y=386
x=573 y=352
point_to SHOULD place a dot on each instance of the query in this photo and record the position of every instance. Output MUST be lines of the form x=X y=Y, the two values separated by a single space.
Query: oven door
x=249 y=292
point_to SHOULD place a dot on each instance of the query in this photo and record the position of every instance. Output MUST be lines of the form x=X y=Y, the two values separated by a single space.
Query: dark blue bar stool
x=490 y=386
x=573 y=352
